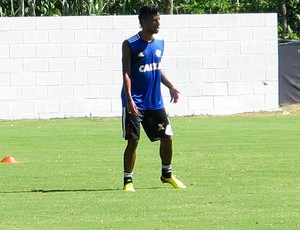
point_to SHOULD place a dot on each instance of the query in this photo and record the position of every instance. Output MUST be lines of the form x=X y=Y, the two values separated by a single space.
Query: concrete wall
x=56 y=67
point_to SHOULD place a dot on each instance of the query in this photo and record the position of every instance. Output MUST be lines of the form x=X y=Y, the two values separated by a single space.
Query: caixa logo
x=149 y=67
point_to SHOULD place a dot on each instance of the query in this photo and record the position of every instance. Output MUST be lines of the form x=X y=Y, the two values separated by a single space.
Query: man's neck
x=146 y=36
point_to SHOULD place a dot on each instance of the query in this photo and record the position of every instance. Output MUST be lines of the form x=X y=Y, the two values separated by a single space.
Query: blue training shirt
x=145 y=73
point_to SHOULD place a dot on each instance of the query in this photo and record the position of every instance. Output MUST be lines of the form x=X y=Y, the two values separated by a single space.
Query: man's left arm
x=174 y=93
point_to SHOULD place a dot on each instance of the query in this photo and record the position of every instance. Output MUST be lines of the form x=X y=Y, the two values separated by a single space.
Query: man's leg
x=129 y=161
x=166 y=152
x=130 y=155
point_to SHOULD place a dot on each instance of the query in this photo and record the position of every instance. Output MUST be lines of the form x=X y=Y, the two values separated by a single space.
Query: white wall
x=55 y=67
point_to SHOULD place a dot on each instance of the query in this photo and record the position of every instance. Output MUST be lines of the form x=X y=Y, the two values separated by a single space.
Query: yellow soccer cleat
x=173 y=181
x=129 y=187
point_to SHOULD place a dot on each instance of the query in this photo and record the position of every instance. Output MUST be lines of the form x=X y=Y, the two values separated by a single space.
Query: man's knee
x=132 y=143
x=167 y=140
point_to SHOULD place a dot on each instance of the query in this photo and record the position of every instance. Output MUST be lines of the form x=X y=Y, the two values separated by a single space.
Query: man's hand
x=131 y=108
x=174 y=93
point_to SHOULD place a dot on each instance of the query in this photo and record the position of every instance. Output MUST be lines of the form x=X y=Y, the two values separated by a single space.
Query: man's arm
x=174 y=93
x=126 y=65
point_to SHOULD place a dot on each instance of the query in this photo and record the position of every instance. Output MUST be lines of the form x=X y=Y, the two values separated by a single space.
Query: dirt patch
x=285 y=110
x=292 y=109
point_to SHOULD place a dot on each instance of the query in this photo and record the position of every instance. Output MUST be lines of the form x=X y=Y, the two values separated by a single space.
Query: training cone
x=9 y=160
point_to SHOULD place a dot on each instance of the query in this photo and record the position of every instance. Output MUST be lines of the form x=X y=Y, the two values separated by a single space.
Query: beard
x=153 y=30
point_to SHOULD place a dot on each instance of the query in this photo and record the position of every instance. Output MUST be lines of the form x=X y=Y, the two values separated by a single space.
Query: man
x=142 y=99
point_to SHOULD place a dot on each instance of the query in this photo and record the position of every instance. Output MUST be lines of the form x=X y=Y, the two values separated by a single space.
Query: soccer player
x=142 y=99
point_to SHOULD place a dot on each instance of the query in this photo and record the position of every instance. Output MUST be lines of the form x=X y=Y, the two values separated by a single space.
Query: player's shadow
x=62 y=190
x=70 y=190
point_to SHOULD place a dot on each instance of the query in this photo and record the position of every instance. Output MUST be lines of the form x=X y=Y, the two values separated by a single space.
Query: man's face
x=152 y=23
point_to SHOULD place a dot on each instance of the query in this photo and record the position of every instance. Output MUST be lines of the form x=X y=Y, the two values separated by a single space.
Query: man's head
x=149 y=18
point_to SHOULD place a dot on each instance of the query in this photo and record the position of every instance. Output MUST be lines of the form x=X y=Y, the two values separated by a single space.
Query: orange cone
x=9 y=160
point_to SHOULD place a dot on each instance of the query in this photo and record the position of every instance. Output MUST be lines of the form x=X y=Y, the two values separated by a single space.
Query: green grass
x=242 y=172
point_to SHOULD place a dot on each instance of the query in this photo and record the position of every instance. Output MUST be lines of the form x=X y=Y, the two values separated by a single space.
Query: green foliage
x=7 y=8
x=258 y=6
x=289 y=35
x=129 y=7
x=293 y=15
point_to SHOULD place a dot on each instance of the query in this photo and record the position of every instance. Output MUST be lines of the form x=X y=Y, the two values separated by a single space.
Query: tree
x=32 y=8
x=168 y=6
x=289 y=18
x=283 y=12
x=21 y=8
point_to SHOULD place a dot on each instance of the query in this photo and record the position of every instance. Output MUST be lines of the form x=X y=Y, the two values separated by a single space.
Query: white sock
x=126 y=174
x=167 y=167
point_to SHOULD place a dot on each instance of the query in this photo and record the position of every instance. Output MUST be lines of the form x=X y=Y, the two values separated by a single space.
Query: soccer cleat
x=173 y=181
x=129 y=187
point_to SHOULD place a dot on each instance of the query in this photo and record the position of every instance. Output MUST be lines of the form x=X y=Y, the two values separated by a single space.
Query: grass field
x=242 y=172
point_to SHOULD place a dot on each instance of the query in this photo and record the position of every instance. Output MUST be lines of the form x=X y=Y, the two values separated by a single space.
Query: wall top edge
x=163 y=15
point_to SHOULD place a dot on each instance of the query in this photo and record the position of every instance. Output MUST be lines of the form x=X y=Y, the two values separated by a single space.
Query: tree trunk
x=21 y=8
x=80 y=7
x=283 y=12
x=168 y=6
x=32 y=11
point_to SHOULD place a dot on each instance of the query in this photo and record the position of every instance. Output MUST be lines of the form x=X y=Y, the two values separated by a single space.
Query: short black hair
x=146 y=11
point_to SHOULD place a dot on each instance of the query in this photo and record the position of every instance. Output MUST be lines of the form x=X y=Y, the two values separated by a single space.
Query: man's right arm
x=126 y=65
